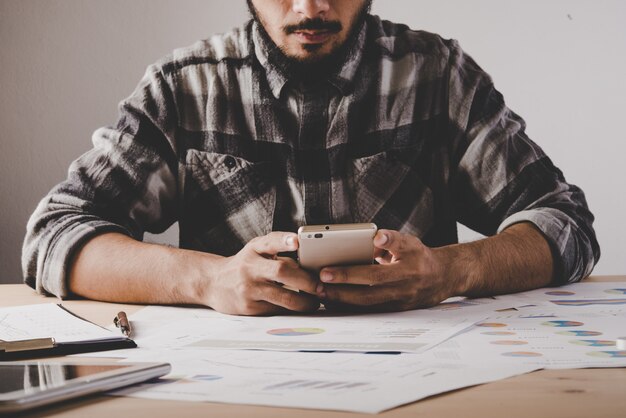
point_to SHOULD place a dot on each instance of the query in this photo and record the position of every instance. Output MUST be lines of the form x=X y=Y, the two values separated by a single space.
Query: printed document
x=411 y=332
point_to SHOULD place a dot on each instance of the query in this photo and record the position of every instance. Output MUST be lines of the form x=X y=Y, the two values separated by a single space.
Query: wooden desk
x=547 y=393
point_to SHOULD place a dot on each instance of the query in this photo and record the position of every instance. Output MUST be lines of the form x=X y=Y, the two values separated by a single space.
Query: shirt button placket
x=314 y=156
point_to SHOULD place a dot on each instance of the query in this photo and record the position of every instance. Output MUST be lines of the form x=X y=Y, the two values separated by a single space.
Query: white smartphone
x=336 y=245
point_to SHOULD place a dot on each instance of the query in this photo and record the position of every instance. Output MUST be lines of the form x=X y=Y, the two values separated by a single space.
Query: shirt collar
x=278 y=76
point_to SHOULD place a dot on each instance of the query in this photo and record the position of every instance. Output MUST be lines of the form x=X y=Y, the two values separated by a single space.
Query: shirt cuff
x=563 y=236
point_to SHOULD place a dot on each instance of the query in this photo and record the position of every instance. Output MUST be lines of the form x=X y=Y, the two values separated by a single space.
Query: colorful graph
x=562 y=324
x=491 y=325
x=616 y=291
x=608 y=354
x=295 y=332
x=498 y=333
x=594 y=343
x=560 y=293
x=581 y=333
x=509 y=342
x=588 y=302
x=522 y=354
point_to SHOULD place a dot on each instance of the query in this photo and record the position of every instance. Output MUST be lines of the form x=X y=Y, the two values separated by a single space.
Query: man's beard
x=315 y=67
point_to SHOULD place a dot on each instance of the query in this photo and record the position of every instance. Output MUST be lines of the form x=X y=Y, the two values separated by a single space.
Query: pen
x=121 y=321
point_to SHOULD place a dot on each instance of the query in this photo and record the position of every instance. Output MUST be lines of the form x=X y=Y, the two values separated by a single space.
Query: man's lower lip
x=313 y=38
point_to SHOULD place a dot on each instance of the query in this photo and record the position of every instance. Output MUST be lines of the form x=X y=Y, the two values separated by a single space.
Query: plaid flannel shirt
x=408 y=133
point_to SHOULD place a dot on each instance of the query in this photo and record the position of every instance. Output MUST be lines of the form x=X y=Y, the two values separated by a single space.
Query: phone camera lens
x=327 y=227
x=309 y=236
x=319 y=235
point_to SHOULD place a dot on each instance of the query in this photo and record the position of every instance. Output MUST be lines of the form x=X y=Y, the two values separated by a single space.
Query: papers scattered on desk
x=538 y=333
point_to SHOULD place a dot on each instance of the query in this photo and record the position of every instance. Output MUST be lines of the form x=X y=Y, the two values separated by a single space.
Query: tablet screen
x=30 y=384
x=29 y=378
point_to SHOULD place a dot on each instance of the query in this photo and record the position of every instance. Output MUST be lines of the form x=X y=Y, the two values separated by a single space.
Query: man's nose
x=311 y=8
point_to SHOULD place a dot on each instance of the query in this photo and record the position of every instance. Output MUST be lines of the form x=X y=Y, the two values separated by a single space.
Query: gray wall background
x=65 y=64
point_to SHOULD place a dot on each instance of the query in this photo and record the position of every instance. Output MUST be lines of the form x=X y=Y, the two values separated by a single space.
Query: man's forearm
x=114 y=267
x=517 y=259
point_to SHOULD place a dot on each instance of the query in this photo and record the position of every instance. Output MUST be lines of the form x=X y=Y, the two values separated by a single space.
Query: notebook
x=49 y=329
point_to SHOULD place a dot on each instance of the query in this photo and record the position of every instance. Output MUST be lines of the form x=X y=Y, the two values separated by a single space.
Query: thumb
x=391 y=241
x=274 y=243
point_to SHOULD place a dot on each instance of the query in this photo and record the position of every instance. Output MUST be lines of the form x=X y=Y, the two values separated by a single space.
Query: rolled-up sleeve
x=126 y=183
x=500 y=177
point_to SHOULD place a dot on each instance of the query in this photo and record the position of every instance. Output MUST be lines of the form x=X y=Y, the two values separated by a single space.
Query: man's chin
x=310 y=53
x=312 y=48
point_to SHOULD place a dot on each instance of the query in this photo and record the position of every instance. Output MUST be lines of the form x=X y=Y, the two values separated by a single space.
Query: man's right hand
x=114 y=267
x=254 y=281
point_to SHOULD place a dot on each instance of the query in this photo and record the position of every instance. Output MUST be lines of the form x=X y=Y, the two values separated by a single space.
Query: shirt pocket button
x=230 y=162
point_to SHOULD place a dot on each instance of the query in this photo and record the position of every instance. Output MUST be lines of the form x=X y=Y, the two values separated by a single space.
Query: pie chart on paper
x=562 y=324
x=608 y=354
x=491 y=325
x=594 y=343
x=581 y=333
x=560 y=293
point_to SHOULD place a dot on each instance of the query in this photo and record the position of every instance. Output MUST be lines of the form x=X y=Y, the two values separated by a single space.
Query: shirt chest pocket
x=387 y=191
x=226 y=190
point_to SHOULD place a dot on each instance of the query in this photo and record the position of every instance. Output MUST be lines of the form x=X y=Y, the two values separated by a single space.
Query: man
x=314 y=112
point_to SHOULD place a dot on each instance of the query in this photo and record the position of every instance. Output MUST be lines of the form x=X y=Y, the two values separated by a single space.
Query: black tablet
x=30 y=384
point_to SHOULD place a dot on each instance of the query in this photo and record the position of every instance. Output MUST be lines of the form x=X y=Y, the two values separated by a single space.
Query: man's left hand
x=409 y=275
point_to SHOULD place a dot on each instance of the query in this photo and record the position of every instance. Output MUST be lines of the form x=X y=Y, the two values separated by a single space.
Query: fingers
x=347 y=308
x=260 y=296
x=379 y=252
x=390 y=247
x=265 y=274
x=287 y=299
x=274 y=243
x=287 y=272
x=362 y=295
x=384 y=259
x=258 y=308
x=365 y=275
x=251 y=282
x=395 y=242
